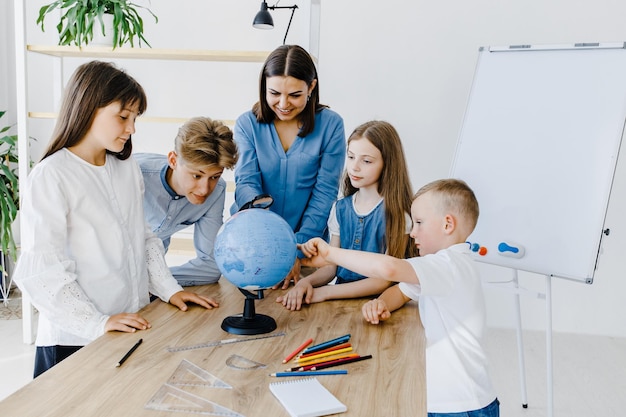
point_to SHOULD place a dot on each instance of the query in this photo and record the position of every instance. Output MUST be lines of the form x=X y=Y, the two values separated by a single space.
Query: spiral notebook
x=306 y=398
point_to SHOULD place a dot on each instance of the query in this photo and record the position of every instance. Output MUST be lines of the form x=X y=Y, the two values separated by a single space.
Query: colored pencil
x=298 y=350
x=330 y=363
x=327 y=344
x=309 y=373
x=325 y=359
x=336 y=362
x=330 y=349
x=324 y=355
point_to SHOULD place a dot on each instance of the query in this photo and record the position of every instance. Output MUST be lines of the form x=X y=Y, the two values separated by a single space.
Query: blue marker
x=511 y=249
x=325 y=345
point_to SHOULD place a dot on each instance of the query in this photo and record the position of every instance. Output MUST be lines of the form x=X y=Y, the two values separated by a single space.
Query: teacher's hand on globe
x=294 y=275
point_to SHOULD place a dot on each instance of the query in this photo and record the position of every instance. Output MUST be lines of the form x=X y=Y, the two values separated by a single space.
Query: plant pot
x=98 y=38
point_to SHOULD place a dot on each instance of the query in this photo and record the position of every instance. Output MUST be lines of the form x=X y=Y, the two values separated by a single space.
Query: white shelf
x=150 y=53
x=140 y=119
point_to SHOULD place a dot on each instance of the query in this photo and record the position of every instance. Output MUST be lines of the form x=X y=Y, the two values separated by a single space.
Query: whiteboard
x=539 y=146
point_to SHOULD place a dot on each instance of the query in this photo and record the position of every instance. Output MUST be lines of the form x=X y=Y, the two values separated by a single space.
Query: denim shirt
x=359 y=232
x=304 y=181
x=168 y=213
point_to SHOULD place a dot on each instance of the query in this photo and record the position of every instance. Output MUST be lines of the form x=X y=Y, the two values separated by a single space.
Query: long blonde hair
x=394 y=184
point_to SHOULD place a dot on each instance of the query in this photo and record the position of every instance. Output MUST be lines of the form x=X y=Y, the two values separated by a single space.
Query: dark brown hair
x=93 y=85
x=289 y=61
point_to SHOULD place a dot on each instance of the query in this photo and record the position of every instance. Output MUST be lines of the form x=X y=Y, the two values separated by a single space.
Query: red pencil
x=298 y=350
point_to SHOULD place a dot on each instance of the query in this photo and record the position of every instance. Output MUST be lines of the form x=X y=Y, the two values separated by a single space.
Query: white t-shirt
x=87 y=252
x=452 y=310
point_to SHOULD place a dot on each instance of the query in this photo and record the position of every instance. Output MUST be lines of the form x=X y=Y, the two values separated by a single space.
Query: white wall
x=7 y=69
x=408 y=62
x=412 y=63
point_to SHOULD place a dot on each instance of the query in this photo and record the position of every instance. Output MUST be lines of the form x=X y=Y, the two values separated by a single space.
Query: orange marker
x=298 y=350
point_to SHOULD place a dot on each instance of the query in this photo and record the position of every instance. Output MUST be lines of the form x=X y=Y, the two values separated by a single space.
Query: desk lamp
x=263 y=19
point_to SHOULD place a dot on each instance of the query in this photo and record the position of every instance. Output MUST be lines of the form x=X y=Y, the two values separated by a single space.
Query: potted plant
x=79 y=19
x=9 y=191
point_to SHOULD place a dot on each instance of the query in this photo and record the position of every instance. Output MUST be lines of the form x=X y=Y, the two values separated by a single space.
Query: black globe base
x=258 y=324
x=249 y=322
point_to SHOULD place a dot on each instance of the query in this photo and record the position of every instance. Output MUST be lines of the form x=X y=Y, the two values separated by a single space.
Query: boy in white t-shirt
x=446 y=283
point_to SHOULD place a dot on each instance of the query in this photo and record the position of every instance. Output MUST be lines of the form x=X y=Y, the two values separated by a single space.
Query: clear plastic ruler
x=222 y=342
x=170 y=398
x=240 y=362
x=188 y=374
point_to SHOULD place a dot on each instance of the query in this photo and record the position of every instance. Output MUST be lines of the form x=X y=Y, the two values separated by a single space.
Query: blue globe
x=255 y=249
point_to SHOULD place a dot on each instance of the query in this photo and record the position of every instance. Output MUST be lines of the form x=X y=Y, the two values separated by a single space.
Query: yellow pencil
x=327 y=358
x=300 y=366
x=323 y=355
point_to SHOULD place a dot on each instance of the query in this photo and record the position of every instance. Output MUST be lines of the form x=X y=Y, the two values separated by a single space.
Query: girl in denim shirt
x=372 y=216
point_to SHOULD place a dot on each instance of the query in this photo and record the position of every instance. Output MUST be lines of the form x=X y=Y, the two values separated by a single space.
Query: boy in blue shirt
x=445 y=281
x=185 y=188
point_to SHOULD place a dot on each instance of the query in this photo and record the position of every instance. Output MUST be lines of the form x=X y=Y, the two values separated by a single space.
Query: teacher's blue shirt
x=304 y=181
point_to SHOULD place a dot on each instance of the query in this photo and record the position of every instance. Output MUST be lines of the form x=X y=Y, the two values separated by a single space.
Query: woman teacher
x=290 y=147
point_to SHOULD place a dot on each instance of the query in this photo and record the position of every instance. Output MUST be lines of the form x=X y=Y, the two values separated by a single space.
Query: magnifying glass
x=261 y=201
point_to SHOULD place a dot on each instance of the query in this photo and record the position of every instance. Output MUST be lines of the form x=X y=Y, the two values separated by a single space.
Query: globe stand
x=249 y=323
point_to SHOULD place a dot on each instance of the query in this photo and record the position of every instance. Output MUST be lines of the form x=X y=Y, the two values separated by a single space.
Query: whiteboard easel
x=539 y=146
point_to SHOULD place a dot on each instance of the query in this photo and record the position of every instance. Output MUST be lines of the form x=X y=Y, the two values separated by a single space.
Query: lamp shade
x=263 y=19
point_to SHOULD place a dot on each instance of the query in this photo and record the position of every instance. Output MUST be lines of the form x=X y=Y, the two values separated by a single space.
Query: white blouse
x=86 y=250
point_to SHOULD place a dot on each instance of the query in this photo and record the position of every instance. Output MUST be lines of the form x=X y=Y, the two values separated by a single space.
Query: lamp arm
x=294 y=7
x=289 y=24
x=293 y=10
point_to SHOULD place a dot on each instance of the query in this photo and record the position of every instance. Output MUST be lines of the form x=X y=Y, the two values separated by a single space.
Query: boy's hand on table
x=375 y=311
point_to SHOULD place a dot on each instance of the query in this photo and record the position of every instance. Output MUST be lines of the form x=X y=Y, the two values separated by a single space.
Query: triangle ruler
x=188 y=374
x=240 y=362
x=169 y=398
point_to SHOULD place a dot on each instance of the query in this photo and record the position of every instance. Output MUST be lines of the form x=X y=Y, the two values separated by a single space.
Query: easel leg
x=520 y=342
x=549 y=380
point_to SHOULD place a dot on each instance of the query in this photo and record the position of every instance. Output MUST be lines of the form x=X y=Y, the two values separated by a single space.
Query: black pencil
x=329 y=364
x=128 y=353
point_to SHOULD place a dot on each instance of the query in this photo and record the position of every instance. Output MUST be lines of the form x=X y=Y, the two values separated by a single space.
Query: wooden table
x=391 y=384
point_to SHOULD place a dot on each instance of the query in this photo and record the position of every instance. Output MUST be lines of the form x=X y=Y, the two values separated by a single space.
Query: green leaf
x=78 y=18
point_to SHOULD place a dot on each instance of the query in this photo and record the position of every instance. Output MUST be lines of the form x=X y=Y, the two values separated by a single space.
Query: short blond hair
x=202 y=141
x=456 y=197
